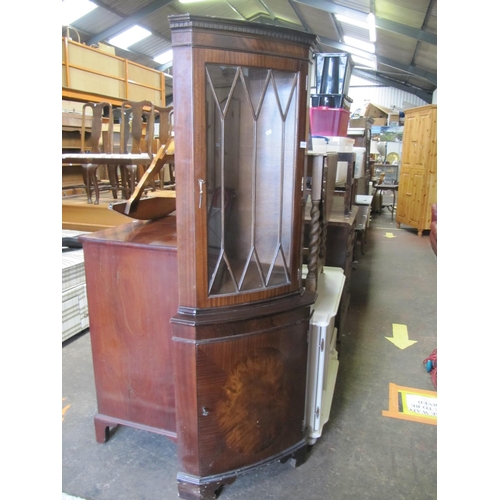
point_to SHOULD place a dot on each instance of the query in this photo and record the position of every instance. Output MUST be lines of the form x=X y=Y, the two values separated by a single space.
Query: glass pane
x=251 y=144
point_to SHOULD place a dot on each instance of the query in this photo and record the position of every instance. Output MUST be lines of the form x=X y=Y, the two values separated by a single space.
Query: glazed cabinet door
x=239 y=176
x=251 y=114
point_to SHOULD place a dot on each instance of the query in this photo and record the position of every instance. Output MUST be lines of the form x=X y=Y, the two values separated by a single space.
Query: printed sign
x=407 y=403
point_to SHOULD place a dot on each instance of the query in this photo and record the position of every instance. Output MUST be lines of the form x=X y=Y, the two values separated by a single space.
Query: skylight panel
x=127 y=38
x=75 y=9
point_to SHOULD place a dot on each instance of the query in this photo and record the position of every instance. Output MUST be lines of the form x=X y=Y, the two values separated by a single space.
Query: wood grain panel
x=131 y=276
x=418 y=177
x=250 y=389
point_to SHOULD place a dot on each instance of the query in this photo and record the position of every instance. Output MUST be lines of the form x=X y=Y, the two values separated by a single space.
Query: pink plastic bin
x=328 y=121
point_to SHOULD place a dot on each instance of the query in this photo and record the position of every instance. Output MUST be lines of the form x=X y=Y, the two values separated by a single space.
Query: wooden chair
x=381 y=188
x=164 y=116
x=100 y=147
x=117 y=173
x=163 y=156
x=136 y=147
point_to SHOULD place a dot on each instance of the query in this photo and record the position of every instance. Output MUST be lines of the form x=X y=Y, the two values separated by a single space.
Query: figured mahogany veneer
x=131 y=276
x=249 y=368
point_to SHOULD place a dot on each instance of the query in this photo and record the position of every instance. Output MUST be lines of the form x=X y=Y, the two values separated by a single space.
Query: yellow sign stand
x=407 y=403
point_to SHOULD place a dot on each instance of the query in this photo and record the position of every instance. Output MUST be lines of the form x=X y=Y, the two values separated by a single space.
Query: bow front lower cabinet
x=418 y=176
x=240 y=337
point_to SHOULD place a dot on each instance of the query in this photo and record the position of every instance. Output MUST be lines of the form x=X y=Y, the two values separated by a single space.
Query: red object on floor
x=432 y=360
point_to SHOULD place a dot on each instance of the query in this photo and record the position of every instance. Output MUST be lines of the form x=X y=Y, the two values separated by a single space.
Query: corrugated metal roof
x=406 y=45
x=95 y=22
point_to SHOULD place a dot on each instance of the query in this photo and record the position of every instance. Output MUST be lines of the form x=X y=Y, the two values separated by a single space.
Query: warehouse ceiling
x=405 y=46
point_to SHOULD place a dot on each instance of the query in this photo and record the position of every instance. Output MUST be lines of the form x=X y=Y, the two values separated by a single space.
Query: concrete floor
x=361 y=454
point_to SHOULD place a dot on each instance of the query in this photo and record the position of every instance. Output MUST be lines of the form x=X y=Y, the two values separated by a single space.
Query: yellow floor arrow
x=389 y=235
x=65 y=409
x=400 y=336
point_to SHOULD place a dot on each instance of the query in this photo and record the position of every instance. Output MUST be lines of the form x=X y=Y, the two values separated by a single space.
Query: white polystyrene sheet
x=73 y=269
x=75 y=314
x=322 y=374
x=341 y=177
x=332 y=144
x=330 y=286
x=363 y=199
x=359 y=169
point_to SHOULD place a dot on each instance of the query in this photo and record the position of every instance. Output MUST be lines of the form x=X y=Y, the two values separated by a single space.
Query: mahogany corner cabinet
x=199 y=321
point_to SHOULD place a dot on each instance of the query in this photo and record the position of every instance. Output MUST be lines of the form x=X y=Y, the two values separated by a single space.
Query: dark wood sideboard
x=131 y=275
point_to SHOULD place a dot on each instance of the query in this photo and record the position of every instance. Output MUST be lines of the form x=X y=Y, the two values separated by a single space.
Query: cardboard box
x=376 y=111
x=361 y=122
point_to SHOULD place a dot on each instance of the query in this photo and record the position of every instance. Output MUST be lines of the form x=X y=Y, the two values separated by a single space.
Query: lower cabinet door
x=241 y=389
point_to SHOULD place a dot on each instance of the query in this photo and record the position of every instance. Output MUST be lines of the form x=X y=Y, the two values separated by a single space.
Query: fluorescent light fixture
x=190 y=1
x=373 y=31
x=361 y=61
x=164 y=58
x=368 y=25
x=74 y=9
x=359 y=44
x=354 y=22
x=129 y=37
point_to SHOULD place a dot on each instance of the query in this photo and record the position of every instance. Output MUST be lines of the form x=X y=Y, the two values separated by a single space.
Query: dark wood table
x=364 y=204
x=387 y=187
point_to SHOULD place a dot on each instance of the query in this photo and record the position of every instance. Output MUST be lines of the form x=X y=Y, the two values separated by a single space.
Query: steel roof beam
x=236 y=10
x=380 y=22
x=412 y=70
x=409 y=68
x=268 y=10
x=423 y=94
x=403 y=29
x=299 y=15
x=263 y=18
